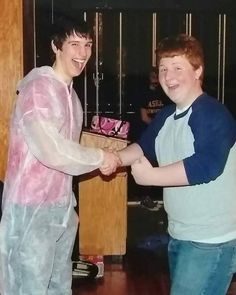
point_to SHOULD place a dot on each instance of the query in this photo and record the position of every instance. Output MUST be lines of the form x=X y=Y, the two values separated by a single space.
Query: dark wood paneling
x=177 y=5
x=28 y=35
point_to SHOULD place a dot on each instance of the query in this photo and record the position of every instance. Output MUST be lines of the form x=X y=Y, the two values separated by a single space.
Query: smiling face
x=72 y=57
x=180 y=81
x=180 y=62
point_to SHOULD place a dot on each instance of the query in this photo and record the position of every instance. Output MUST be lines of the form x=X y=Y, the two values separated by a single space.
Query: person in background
x=194 y=142
x=39 y=223
x=153 y=98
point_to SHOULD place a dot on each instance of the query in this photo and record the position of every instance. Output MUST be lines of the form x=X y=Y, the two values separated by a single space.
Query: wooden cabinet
x=103 y=205
x=11 y=68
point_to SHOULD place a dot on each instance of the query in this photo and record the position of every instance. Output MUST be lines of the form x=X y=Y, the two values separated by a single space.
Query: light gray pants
x=36 y=245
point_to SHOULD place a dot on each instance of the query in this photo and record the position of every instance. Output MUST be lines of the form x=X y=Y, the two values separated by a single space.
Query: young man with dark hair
x=39 y=222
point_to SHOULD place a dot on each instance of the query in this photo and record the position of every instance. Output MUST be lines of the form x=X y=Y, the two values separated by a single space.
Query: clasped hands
x=141 y=169
x=110 y=162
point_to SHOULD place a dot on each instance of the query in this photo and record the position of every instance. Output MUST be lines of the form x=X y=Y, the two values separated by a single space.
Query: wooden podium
x=102 y=204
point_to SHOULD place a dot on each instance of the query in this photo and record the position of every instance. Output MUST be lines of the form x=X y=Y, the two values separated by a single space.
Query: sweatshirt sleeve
x=41 y=122
x=214 y=131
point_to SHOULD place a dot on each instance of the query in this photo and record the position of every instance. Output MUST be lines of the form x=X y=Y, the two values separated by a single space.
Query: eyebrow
x=173 y=63
x=76 y=41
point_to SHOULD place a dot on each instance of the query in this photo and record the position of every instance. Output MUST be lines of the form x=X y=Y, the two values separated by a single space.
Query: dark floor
x=126 y=278
x=129 y=278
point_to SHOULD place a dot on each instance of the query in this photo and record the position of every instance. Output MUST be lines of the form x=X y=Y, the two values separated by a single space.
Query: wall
x=11 y=67
x=177 y=5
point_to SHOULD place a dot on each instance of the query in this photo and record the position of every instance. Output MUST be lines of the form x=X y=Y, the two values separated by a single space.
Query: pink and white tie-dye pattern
x=44 y=151
x=39 y=223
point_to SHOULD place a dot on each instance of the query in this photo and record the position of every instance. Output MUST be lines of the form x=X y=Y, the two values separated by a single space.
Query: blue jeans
x=201 y=268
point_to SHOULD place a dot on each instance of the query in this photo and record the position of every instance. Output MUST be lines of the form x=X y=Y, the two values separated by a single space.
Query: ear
x=54 y=48
x=198 y=72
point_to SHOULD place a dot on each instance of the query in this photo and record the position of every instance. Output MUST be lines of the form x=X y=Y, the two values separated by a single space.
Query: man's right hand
x=110 y=163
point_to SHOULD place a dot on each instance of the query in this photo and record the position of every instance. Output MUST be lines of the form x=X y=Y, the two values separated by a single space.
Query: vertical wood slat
x=102 y=205
x=11 y=67
x=29 y=35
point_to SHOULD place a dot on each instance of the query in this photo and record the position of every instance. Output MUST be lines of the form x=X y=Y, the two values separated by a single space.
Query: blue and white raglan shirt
x=203 y=136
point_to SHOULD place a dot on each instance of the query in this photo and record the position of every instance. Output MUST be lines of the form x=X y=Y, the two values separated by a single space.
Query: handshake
x=141 y=169
x=110 y=162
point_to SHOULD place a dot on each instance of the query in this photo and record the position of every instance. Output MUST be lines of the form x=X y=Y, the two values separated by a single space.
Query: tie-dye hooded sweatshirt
x=44 y=152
